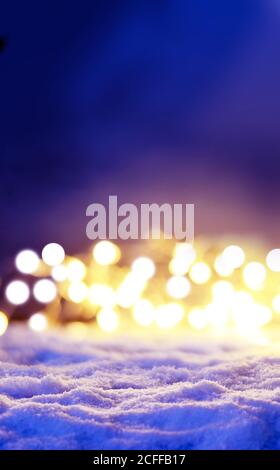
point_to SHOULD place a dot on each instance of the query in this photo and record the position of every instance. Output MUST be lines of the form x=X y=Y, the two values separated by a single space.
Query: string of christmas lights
x=206 y=286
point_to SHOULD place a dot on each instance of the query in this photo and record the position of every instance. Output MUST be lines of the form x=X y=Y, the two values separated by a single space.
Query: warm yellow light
x=263 y=314
x=198 y=318
x=178 y=287
x=144 y=312
x=242 y=309
x=144 y=267
x=76 y=270
x=276 y=303
x=184 y=256
x=101 y=295
x=222 y=268
x=186 y=251
x=27 y=261
x=3 y=323
x=254 y=275
x=241 y=301
x=77 y=292
x=130 y=290
x=222 y=290
x=78 y=329
x=53 y=254
x=106 y=252
x=38 y=322
x=59 y=273
x=17 y=292
x=233 y=256
x=169 y=315
x=108 y=320
x=217 y=314
x=273 y=260
x=251 y=317
x=44 y=291
x=178 y=267
x=200 y=273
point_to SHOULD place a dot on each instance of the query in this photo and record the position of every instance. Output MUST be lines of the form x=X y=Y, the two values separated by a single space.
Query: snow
x=128 y=393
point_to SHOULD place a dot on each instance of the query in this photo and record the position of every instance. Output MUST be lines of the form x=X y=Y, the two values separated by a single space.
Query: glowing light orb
x=27 y=261
x=254 y=274
x=263 y=314
x=130 y=290
x=198 y=318
x=169 y=315
x=59 y=273
x=233 y=256
x=217 y=314
x=242 y=310
x=221 y=268
x=38 y=322
x=144 y=312
x=241 y=301
x=252 y=317
x=273 y=260
x=200 y=273
x=276 y=303
x=53 y=254
x=222 y=290
x=44 y=291
x=76 y=270
x=77 y=292
x=101 y=295
x=186 y=251
x=178 y=287
x=108 y=320
x=4 y=322
x=178 y=267
x=184 y=256
x=17 y=292
x=144 y=266
x=106 y=252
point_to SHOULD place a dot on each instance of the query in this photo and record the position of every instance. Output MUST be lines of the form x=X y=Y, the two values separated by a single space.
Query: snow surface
x=135 y=394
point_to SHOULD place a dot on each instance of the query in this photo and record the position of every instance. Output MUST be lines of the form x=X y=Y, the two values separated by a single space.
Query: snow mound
x=136 y=394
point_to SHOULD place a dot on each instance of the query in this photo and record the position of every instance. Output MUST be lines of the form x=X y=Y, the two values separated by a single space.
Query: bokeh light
x=144 y=267
x=233 y=256
x=108 y=320
x=76 y=270
x=144 y=312
x=38 y=322
x=254 y=274
x=27 y=261
x=200 y=273
x=276 y=303
x=273 y=260
x=210 y=288
x=53 y=254
x=77 y=292
x=102 y=295
x=3 y=323
x=17 y=292
x=178 y=287
x=59 y=273
x=44 y=291
x=169 y=315
x=106 y=253
x=184 y=255
x=222 y=268
x=198 y=318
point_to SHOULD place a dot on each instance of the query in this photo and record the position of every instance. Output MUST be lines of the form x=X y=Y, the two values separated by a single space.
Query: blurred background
x=174 y=101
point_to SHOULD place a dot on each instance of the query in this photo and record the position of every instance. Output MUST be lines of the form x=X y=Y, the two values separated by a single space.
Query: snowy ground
x=128 y=394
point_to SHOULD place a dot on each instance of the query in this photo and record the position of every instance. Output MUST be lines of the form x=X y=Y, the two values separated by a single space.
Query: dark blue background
x=151 y=100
